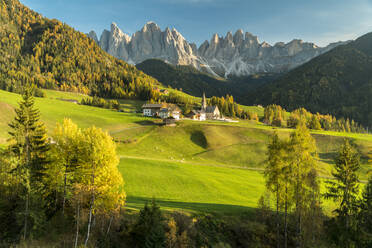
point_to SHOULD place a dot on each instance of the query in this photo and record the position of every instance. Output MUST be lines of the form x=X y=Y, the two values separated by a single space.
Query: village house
x=152 y=110
x=171 y=110
x=162 y=110
x=197 y=115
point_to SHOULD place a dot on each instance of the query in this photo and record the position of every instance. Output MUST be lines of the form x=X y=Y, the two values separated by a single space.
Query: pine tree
x=28 y=143
x=344 y=190
x=365 y=217
x=149 y=231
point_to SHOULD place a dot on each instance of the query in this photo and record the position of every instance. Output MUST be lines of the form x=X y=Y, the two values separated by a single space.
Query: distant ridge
x=240 y=54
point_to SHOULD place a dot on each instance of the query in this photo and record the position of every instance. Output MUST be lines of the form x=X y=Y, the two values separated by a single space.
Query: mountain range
x=238 y=54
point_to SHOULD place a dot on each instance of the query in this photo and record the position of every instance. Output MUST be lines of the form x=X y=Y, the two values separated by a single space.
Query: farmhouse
x=152 y=110
x=162 y=110
x=199 y=115
x=171 y=110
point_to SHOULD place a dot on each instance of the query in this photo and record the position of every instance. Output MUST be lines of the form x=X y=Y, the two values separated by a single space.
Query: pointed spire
x=204 y=102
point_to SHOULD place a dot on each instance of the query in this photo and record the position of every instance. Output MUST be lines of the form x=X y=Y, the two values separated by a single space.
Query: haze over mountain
x=240 y=54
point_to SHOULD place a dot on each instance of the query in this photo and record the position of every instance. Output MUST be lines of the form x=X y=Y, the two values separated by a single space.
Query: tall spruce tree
x=365 y=217
x=344 y=190
x=149 y=231
x=28 y=143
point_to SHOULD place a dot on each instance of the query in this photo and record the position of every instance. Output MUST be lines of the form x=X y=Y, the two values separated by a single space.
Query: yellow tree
x=302 y=150
x=370 y=161
x=67 y=138
x=277 y=179
x=99 y=171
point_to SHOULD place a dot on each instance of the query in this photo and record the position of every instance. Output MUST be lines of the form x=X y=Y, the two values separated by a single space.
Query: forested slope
x=338 y=82
x=53 y=55
x=195 y=82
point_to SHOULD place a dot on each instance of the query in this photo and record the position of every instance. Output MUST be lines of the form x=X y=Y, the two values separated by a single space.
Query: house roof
x=211 y=109
x=195 y=112
x=151 y=105
x=163 y=106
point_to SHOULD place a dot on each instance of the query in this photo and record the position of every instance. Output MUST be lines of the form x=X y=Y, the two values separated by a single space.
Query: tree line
x=100 y=102
x=275 y=115
x=228 y=107
x=296 y=213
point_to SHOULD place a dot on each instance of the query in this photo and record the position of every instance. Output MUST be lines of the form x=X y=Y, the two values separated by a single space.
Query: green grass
x=254 y=109
x=195 y=166
x=190 y=187
x=54 y=94
x=53 y=110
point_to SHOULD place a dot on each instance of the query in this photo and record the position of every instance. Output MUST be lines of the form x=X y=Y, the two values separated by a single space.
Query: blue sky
x=318 y=21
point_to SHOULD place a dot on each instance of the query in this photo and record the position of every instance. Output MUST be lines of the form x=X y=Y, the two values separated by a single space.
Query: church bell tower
x=204 y=102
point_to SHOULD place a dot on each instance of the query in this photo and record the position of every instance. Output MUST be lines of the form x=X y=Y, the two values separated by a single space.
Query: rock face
x=240 y=54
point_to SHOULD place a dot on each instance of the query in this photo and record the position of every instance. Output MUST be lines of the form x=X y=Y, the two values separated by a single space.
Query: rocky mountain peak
x=238 y=54
x=215 y=39
x=229 y=36
x=238 y=36
x=118 y=34
x=151 y=27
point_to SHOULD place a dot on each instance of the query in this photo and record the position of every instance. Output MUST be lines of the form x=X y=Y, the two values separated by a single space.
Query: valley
x=194 y=167
x=150 y=141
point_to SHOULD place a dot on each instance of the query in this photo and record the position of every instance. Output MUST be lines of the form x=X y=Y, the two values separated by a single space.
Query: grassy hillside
x=195 y=166
x=337 y=82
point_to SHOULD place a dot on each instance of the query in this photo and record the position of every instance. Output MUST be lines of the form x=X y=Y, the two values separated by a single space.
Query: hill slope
x=53 y=55
x=195 y=82
x=338 y=82
x=195 y=166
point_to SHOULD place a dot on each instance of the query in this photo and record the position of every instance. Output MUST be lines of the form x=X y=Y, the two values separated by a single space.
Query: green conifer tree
x=28 y=143
x=344 y=190
x=365 y=217
x=149 y=231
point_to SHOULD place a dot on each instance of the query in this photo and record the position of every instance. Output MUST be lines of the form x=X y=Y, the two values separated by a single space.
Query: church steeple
x=204 y=102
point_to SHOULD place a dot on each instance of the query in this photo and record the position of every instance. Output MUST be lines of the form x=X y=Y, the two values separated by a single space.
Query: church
x=211 y=112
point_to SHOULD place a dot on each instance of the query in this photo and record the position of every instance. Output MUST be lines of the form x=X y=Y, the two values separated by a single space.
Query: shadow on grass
x=327 y=157
x=226 y=209
x=198 y=138
x=146 y=123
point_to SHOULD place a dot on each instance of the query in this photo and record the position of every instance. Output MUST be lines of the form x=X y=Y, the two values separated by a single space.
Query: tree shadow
x=198 y=138
x=197 y=207
x=146 y=123
x=327 y=157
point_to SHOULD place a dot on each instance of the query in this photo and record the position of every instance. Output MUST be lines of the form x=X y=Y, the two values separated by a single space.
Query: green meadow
x=195 y=166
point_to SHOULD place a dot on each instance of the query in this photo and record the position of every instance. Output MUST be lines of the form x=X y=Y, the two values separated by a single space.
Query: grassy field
x=195 y=166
